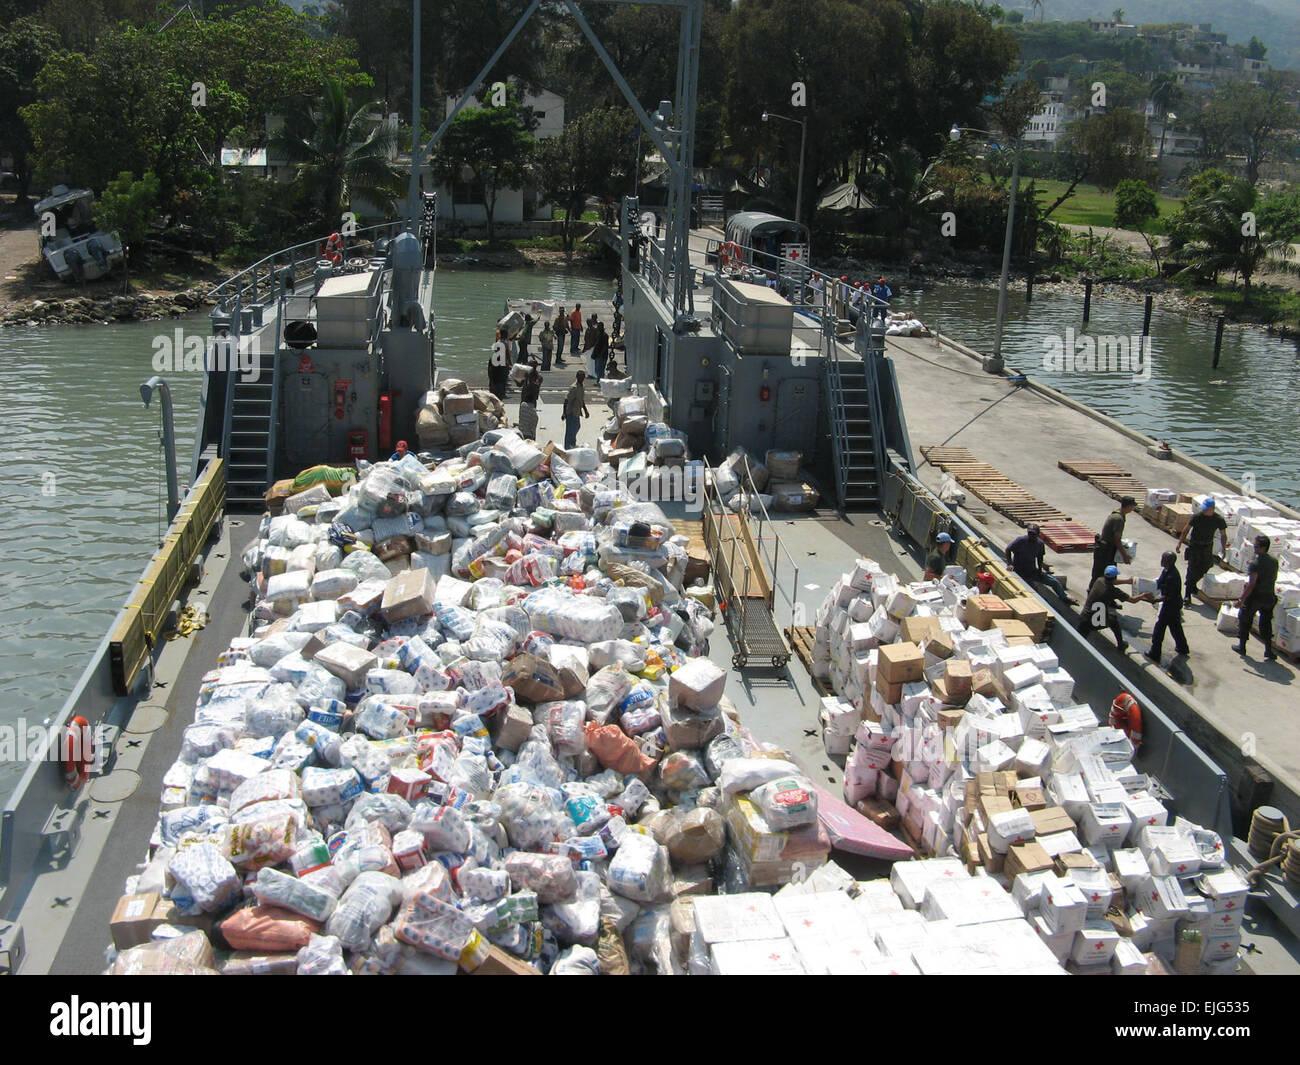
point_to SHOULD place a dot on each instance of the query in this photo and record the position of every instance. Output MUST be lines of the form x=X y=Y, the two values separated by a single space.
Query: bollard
x=1087 y=299
x=1146 y=316
x=1218 y=341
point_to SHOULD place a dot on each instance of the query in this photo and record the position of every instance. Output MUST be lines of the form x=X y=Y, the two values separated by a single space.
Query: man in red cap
x=400 y=453
x=883 y=294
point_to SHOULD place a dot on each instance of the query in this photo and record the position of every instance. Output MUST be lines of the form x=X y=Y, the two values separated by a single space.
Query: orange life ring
x=78 y=755
x=334 y=248
x=729 y=254
x=1126 y=715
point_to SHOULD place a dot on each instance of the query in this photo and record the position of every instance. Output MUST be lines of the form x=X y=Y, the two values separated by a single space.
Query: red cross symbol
x=1151 y=821
x=794 y=254
x=1183 y=868
x=1100 y=946
x=774 y=956
x=1231 y=905
x=947 y=872
x=807 y=923
x=1155 y=895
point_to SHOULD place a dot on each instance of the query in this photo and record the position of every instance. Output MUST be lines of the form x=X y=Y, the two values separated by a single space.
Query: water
x=1245 y=425
x=83 y=495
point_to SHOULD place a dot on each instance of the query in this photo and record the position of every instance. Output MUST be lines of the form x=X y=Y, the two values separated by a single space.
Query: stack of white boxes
x=1105 y=841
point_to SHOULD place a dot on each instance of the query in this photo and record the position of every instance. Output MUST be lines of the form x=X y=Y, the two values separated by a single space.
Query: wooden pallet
x=1115 y=486
x=801 y=640
x=1063 y=536
x=1084 y=469
x=990 y=485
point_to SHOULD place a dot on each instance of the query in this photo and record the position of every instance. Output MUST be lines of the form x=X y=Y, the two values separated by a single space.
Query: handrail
x=772 y=559
x=248 y=285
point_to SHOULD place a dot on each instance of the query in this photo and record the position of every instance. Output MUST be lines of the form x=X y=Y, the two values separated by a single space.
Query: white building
x=512 y=205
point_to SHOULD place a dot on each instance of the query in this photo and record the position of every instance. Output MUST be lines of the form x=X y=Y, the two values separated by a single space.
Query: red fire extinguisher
x=340 y=398
x=385 y=421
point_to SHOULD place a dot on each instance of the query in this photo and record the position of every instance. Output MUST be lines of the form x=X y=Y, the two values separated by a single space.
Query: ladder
x=852 y=431
x=250 y=440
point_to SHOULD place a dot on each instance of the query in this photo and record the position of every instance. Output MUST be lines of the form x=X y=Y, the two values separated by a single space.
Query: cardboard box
x=1027 y=858
x=408 y=595
x=939 y=644
x=1031 y=613
x=501 y=963
x=1051 y=819
x=1013 y=627
x=134 y=919
x=1030 y=798
x=957 y=676
x=982 y=610
x=900 y=663
x=891 y=693
x=982 y=683
x=919 y=629
x=946 y=694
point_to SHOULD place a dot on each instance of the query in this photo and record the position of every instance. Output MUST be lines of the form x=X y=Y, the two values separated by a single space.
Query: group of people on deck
x=590 y=340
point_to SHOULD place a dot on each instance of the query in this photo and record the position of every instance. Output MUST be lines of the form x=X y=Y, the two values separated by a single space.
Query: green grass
x=1091 y=207
x=1276 y=306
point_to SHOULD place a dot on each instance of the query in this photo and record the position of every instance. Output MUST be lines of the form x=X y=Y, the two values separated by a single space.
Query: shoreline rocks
x=89 y=310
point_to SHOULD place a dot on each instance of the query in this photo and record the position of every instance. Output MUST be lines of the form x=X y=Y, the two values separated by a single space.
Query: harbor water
x=84 y=493
x=1239 y=418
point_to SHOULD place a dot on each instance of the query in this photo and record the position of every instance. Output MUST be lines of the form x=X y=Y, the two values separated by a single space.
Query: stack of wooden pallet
x=1107 y=477
x=1062 y=536
x=992 y=486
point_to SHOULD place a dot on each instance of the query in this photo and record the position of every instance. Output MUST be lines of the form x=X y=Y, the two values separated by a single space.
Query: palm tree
x=906 y=185
x=1037 y=5
x=1212 y=236
x=342 y=150
x=1118 y=15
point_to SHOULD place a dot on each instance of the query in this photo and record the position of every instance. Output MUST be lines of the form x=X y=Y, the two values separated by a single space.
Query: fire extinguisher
x=385 y=421
x=340 y=398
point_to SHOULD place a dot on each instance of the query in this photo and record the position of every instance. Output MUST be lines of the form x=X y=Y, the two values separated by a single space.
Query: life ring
x=729 y=255
x=1126 y=715
x=333 y=249
x=78 y=755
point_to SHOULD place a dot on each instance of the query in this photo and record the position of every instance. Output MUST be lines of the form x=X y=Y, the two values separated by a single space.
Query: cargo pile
x=966 y=726
x=778 y=482
x=471 y=731
x=453 y=415
x=1246 y=518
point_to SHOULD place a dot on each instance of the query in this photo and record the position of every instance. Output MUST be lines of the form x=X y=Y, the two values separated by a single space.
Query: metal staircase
x=251 y=436
x=852 y=431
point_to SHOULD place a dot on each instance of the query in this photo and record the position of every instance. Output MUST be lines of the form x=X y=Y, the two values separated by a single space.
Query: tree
x=1279 y=214
x=1216 y=230
x=1115 y=145
x=585 y=160
x=1256 y=49
x=1118 y=15
x=495 y=144
x=1037 y=5
x=343 y=151
x=127 y=207
x=1257 y=119
x=25 y=45
x=1136 y=208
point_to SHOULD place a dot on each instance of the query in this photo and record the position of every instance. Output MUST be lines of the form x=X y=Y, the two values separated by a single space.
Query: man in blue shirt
x=884 y=294
x=1025 y=556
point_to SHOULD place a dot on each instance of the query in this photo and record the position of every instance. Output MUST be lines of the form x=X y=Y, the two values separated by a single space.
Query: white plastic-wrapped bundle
x=205 y=879
x=332 y=583
x=275 y=888
x=269 y=651
x=382 y=719
x=366 y=566
x=640 y=870
x=786 y=802
x=551 y=876
x=560 y=612
x=325 y=787
x=606 y=689
x=563 y=720
x=288 y=586
x=367 y=904
x=442 y=827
